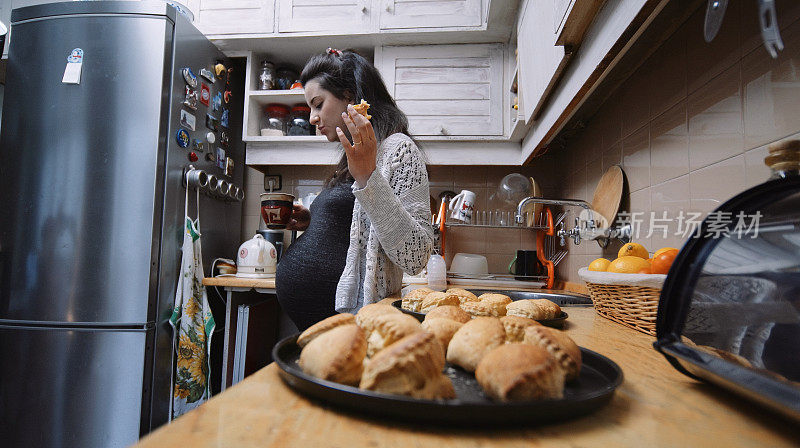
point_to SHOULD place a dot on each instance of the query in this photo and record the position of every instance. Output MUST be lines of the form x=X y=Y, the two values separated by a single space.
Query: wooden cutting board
x=608 y=194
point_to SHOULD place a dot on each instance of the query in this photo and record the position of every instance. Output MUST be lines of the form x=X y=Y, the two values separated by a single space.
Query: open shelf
x=287 y=97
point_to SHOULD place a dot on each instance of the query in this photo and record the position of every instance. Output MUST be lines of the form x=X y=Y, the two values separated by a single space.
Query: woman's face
x=326 y=110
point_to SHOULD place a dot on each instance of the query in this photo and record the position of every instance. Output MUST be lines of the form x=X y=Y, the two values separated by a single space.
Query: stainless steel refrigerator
x=92 y=200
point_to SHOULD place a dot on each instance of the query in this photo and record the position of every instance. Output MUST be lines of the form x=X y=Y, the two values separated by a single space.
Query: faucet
x=586 y=228
x=573 y=202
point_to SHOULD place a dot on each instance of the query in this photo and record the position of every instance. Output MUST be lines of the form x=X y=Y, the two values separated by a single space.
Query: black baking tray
x=599 y=377
x=558 y=322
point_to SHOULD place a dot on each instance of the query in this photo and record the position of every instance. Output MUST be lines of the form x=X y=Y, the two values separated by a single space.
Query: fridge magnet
x=189 y=77
x=211 y=123
x=228 y=166
x=191 y=98
x=219 y=69
x=228 y=95
x=223 y=120
x=228 y=80
x=220 y=158
x=187 y=120
x=211 y=138
x=182 y=137
x=224 y=139
x=216 y=102
x=205 y=94
x=208 y=74
x=198 y=146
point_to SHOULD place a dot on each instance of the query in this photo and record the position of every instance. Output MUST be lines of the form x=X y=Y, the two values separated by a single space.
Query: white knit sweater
x=391 y=230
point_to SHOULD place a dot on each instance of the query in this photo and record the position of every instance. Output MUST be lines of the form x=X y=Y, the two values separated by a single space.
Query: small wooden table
x=655 y=406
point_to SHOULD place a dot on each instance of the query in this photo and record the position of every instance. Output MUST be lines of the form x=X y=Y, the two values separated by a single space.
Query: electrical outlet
x=274 y=179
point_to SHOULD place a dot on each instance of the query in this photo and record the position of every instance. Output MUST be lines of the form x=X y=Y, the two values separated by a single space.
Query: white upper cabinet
x=447 y=90
x=337 y=16
x=234 y=16
x=429 y=13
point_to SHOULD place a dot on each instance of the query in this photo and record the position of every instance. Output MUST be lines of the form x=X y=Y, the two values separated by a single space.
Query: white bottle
x=437 y=273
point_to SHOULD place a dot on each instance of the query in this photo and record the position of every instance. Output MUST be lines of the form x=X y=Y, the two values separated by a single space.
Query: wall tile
x=503 y=241
x=312 y=174
x=609 y=121
x=468 y=240
x=705 y=61
x=635 y=101
x=594 y=171
x=440 y=176
x=612 y=156
x=672 y=198
x=668 y=82
x=250 y=225
x=755 y=170
x=252 y=201
x=636 y=159
x=498 y=263
x=709 y=187
x=640 y=216
x=577 y=182
x=469 y=177
x=715 y=120
x=669 y=144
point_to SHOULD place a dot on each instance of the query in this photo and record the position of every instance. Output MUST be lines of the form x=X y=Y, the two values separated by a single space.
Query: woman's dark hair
x=350 y=77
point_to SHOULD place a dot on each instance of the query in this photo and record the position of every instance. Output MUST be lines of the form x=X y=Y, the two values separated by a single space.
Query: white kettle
x=257 y=258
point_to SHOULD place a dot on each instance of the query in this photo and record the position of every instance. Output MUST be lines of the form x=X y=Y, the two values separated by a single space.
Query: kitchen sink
x=559 y=298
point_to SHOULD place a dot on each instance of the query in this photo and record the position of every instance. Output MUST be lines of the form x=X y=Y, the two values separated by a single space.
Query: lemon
x=599 y=265
x=628 y=264
x=635 y=250
x=663 y=249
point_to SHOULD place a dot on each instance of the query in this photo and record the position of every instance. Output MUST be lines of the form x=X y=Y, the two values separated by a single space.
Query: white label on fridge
x=188 y=120
x=72 y=73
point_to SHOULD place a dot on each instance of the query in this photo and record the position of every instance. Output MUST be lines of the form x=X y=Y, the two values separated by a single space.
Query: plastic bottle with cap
x=437 y=273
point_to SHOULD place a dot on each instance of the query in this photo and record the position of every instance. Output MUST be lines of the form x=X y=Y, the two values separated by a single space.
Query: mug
x=462 y=206
x=525 y=263
x=276 y=209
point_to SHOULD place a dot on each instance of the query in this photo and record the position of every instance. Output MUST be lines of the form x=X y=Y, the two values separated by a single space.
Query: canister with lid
x=274 y=121
x=299 y=123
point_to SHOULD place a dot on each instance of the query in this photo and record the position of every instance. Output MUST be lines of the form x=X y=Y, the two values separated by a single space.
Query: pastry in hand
x=336 y=355
x=559 y=345
x=323 y=326
x=462 y=294
x=520 y=372
x=413 y=300
x=388 y=329
x=449 y=312
x=436 y=299
x=367 y=314
x=478 y=309
x=362 y=108
x=515 y=327
x=442 y=328
x=473 y=340
x=411 y=366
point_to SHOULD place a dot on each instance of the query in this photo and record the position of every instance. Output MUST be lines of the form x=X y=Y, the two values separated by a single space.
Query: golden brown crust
x=549 y=307
x=520 y=372
x=462 y=294
x=525 y=308
x=367 y=314
x=436 y=299
x=473 y=340
x=442 y=328
x=336 y=355
x=388 y=329
x=412 y=366
x=498 y=302
x=413 y=300
x=478 y=309
x=515 y=327
x=361 y=108
x=323 y=326
x=559 y=345
x=493 y=296
x=419 y=293
x=449 y=312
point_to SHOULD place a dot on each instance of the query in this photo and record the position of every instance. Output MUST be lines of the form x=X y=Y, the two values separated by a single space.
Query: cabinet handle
x=389 y=8
x=364 y=10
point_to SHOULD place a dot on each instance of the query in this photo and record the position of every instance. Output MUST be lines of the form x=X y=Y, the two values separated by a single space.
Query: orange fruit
x=633 y=249
x=628 y=264
x=663 y=261
x=645 y=271
x=663 y=249
x=601 y=264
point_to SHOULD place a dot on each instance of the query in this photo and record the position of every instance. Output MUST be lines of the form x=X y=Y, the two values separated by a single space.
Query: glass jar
x=267 y=76
x=274 y=122
x=286 y=77
x=299 y=123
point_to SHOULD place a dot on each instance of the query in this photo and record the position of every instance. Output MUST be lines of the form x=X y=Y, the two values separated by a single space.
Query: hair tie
x=334 y=51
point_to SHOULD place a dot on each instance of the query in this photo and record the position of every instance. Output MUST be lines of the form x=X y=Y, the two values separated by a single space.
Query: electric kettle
x=257 y=258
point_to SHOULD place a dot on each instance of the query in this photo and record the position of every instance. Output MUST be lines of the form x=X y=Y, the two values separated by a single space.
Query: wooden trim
x=578 y=20
x=236 y=282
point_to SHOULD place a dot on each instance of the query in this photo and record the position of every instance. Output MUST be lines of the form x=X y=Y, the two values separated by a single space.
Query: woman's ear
x=349 y=97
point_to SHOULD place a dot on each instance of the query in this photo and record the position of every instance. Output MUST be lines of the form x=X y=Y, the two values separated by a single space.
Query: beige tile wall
x=690 y=127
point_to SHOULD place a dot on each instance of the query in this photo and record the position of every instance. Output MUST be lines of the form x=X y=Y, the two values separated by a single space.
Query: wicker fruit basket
x=628 y=299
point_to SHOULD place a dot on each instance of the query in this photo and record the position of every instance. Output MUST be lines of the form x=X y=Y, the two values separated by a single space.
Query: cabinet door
x=235 y=17
x=429 y=13
x=447 y=89
x=339 y=16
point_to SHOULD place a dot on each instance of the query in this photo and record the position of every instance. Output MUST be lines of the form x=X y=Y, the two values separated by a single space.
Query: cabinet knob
x=442 y=130
x=389 y=8
x=364 y=10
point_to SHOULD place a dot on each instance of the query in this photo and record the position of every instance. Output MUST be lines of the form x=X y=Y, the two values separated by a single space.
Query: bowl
x=469 y=264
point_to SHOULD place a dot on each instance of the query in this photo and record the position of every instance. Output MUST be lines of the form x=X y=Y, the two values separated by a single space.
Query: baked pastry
x=473 y=340
x=498 y=302
x=520 y=372
x=495 y=296
x=449 y=312
x=413 y=300
x=362 y=108
x=515 y=327
x=462 y=294
x=537 y=309
x=366 y=315
x=437 y=298
x=442 y=328
x=478 y=309
x=323 y=326
x=336 y=355
x=412 y=366
x=551 y=310
x=558 y=344
x=388 y=329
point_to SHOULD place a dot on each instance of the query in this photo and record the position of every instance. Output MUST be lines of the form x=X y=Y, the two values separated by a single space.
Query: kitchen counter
x=655 y=406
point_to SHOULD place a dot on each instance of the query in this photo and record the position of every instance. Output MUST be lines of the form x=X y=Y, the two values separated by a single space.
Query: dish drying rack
x=549 y=245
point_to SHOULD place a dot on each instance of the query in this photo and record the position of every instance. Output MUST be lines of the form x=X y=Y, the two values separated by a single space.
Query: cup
x=525 y=263
x=462 y=206
x=276 y=209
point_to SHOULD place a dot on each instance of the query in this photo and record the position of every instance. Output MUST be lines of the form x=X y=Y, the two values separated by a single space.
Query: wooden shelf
x=287 y=97
x=289 y=139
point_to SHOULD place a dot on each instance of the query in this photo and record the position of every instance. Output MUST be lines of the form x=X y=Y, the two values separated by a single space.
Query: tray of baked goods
x=450 y=369
x=421 y=301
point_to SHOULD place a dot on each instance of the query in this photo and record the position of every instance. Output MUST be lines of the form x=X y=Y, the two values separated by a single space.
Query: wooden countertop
x=655 y=406
x=236 y=282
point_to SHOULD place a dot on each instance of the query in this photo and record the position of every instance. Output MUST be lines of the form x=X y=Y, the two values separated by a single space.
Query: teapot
x=257 y=258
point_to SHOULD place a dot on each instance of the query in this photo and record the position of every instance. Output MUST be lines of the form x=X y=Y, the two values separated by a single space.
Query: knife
x=715 y=11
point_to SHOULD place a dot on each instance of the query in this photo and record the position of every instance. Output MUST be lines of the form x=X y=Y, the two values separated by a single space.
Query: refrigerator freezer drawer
x=71 y=387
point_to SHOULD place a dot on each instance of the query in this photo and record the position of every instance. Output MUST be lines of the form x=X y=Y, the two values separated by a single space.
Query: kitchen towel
x=192 y=322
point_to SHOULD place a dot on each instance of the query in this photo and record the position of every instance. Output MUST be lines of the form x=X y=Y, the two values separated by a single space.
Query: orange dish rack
x=548 y=248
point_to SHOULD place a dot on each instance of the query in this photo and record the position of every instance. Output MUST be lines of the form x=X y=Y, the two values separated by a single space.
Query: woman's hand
x=361 y=154
x=300 y=219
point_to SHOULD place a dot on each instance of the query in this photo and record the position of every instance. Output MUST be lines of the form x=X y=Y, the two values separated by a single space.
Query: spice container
x=286 y=77
x=299 y=121
x=274 y=121
x=267 y=76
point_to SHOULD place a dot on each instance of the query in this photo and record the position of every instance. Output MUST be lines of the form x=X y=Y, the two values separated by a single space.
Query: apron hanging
x=192 y=323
